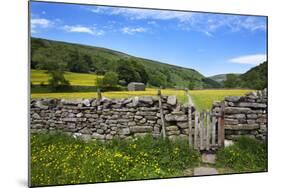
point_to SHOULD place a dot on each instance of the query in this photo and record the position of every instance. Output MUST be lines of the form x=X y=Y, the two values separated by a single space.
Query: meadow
x=60 y=159
x=202 y=99
x=39 y=77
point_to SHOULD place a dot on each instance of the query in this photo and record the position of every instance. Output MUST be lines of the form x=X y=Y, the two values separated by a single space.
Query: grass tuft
x=246 y=155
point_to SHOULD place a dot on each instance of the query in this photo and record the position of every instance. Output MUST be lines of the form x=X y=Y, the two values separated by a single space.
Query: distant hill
x=103 y=60
x=255 y=78
x=220 y=77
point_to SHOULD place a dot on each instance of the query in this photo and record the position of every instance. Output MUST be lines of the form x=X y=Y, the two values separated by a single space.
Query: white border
x=14 y=73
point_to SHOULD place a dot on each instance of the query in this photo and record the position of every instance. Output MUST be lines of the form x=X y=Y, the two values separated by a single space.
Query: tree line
x=255 y=78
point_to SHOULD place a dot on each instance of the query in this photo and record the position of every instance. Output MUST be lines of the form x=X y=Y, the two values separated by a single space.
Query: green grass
x=246 y=155
x=75 y=79
x=113 y=94
x=60 y=159
x=203 y=99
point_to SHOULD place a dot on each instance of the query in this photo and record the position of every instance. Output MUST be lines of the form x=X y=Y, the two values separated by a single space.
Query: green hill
x=255 y=78
x=221 y=78
x=88 y=59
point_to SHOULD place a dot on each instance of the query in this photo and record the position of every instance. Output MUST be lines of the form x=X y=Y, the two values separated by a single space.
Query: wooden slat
x=219 y=131
x=201 y=130
x=208 y=131
x=99 y=94
x=195 y=130
x=162 y=115
x=190 y=125
x=222 y=124
x=213 y=130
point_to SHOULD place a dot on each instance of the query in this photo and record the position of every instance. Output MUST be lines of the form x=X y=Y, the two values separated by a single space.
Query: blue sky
x=210 y=43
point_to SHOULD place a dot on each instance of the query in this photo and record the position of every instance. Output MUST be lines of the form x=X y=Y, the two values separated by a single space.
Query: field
x=202 y=99
x=76 y=79
x=60 y=159
x=114 y=94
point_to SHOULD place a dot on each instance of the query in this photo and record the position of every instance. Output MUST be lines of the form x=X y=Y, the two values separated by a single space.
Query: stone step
x=201 y=171
x=209 y=158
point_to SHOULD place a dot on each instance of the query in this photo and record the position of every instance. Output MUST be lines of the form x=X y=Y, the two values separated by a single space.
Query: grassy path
x=190 y=102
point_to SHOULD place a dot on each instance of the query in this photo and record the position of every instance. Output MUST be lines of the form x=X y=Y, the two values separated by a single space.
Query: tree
x=99 y=80
x=58 y=81
x=48 y=59
x=127 y=72
x=110 y=79
x=158 y=79
x=232 y=81
x=255 y=78
x=191 y=84
x=139 y=68
x=78 y=62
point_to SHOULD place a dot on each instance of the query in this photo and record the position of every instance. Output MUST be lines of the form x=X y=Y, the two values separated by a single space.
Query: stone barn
x=136 y=86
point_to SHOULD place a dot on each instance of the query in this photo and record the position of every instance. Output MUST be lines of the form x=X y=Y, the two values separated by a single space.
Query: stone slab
x=208 y=158
x=201 y=171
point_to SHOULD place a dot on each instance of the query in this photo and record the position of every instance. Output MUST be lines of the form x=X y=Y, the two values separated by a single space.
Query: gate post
x=222 y=124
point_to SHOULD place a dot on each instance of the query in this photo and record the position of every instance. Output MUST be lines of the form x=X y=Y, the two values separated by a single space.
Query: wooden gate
x=206 y=130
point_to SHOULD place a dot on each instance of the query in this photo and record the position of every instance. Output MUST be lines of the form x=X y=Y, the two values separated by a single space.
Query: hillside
x=256 y=77
x=219 y=77
x=101 y=60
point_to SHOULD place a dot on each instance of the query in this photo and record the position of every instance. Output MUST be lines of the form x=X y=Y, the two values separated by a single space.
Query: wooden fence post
x=190 y=125
x=213 y=131
x=222 y=124
x=161 y=114
x=195 y=130
x=99 y=93
x=219 y=131
x=208 y=131
x=201 y=130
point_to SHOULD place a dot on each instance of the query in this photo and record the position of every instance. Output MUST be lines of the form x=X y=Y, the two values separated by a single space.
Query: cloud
x=133 y=30
x=138 y=14
x=206 y=23
x=83 y=29
x=253 y=59
x=37 y=23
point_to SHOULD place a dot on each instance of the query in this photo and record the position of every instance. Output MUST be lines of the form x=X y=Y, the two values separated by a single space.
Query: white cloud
x=205 y=23
x=40 y=23
x=133 y=30
x=253 y=59
x=210 y=23
x=137 y=14
x=83 y=29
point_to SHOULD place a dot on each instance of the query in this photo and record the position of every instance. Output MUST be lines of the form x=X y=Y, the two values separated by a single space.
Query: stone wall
x=126 y=118
x=246 y=115
x=108 y=118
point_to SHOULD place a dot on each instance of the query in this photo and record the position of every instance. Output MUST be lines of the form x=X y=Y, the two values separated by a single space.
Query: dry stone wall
x=246 y=115
x=106 y=119
x=126 y=118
